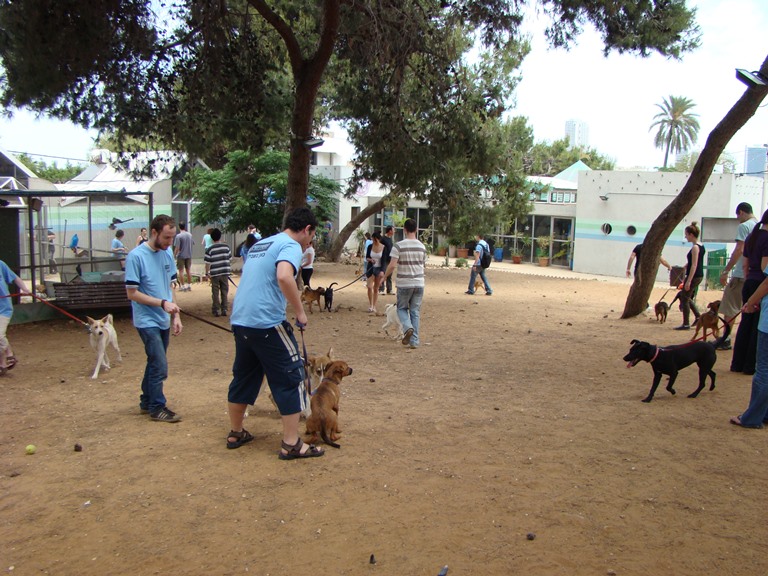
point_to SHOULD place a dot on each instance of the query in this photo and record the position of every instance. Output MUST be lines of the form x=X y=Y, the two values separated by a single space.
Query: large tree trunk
x=307 y=74
x=672 y=215
x=338 y=244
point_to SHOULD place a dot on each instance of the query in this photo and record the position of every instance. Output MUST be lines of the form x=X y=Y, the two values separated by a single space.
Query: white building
x=616 y=209
x=577 y=133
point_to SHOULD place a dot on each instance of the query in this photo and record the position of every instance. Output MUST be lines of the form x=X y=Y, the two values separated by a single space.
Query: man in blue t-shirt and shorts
x=264 y=340
x=149 y=271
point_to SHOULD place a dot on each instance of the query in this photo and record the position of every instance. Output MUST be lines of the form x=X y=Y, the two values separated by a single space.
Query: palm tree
x=678 y=127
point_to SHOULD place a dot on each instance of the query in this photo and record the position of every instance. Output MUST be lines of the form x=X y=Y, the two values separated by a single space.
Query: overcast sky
x=615 y=96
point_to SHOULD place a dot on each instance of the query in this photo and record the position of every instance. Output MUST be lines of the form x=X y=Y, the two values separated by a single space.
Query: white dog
x=392 y=320
x=103 y=334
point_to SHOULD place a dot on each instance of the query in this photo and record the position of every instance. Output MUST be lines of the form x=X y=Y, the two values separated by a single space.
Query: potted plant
x=542 y=250
x=442 y=249
x=521 y=248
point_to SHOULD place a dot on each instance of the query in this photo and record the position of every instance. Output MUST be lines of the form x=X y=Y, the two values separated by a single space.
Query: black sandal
x=294 y=452
x=243 y=437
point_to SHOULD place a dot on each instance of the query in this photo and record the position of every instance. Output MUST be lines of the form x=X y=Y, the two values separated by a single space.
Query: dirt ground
x=513 y=441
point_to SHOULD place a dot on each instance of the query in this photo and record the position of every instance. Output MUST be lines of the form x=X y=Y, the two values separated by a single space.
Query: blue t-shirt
x=7 y=276
x=117 y=245
x=762 y=324
x=481 y=246
x=259 y=302
x=150 y=272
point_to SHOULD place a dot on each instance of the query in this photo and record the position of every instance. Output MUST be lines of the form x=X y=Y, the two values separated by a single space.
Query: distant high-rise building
x=754 y=160
x=577 y=133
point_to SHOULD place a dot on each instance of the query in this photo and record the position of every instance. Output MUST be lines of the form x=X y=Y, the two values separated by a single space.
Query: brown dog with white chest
x=324 y=420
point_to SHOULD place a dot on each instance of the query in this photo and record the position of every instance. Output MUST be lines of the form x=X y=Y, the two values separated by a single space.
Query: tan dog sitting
x=308 y=296
x=708 y=321
x=324 y=420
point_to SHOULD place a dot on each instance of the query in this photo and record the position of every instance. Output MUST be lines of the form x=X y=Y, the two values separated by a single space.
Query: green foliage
x=548 y=159
x=251 y=189
x=460 y=263
x=542 y=246
x=236 y=74
x=685 y=162
x=51 y=172
x=677 y=127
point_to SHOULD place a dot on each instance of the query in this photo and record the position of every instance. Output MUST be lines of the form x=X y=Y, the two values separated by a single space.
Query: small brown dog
x=324 y=420
x=661 y=309
x=479 y=284
x=309 y=296
x=316 y=366
x=709 y=321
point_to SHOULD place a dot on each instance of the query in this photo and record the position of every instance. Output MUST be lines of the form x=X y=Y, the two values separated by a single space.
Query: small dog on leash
x=709 y=321
x=324 y=420
x=102 y=335
x=328 y=297
x=309 y=296
x=316 y=366
x=392 y=320
x=661 y=309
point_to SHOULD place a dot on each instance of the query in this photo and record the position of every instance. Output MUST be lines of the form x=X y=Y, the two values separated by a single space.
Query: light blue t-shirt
x=481 y=245
x=7 y=276
x=259 y=302
x=762 y=324
x=741 y=235
x=150 y=272
x=117 y=245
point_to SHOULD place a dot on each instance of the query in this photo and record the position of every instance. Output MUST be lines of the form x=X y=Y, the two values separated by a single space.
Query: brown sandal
x=242 y=437
x=294 y=452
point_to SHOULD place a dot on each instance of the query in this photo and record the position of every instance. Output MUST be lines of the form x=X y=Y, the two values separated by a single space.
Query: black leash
x=307 y=381
x=350 y=284
x=196 y=317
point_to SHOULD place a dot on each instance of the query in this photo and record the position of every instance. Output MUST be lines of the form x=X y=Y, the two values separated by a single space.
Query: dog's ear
x=634 y=342
x=90 y=320
x=330 y=352
x=107 y=319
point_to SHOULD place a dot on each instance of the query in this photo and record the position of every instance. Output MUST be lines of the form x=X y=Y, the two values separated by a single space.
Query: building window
x=606 y=228
x=631 y=230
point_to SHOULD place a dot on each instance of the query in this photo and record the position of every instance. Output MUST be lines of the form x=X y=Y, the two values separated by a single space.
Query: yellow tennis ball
x=31 y=449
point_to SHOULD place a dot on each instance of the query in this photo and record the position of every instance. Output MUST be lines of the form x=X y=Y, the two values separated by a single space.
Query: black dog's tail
x=726 y=332
x=331 y=285
x=324 y=436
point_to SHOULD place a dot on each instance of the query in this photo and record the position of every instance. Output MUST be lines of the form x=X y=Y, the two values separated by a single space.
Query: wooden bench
x=91 y=295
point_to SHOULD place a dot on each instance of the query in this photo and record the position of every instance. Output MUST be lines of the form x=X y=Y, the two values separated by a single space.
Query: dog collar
x=655 y=355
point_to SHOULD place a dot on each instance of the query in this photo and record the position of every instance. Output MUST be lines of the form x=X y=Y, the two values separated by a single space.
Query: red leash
x=44 y=301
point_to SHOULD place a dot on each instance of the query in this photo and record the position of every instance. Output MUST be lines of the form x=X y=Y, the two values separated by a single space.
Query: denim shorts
x=270 y=352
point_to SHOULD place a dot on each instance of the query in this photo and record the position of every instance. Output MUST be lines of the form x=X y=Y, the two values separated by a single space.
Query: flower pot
x=462 y=252
x=452 y=251
x=543 y=261
x=517 y=259
x=442 y=251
